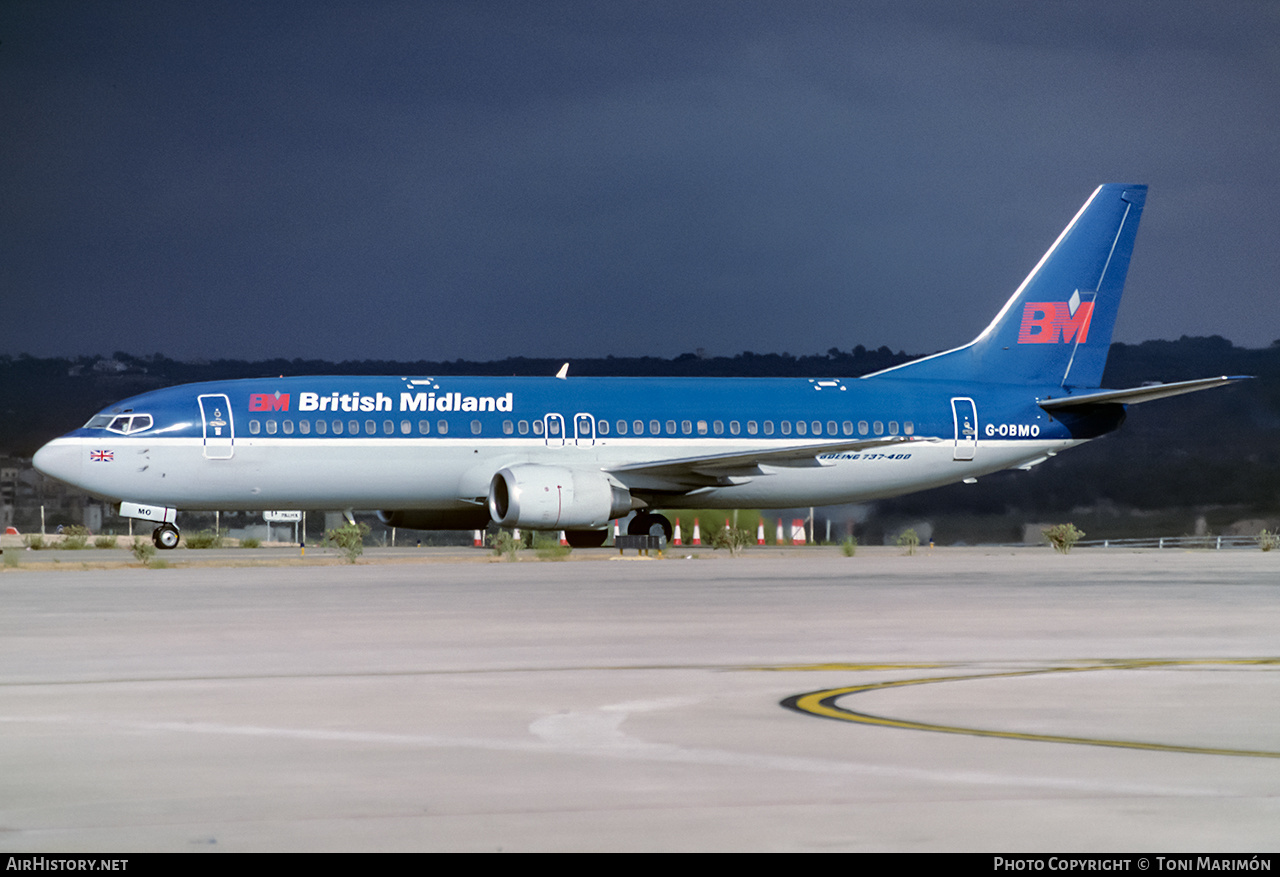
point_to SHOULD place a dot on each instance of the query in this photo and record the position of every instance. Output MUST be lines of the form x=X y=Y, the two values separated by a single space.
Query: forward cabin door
x=966 y=420
x=553 y=429
x=219 y=429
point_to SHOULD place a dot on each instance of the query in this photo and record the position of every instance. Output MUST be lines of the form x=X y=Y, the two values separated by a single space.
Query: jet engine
x=554 y=497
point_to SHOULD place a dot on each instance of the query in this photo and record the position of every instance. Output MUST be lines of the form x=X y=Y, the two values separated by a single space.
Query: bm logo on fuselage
x=269 y=401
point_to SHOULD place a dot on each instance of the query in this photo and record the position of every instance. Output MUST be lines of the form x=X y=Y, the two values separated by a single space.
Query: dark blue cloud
x=440 y=180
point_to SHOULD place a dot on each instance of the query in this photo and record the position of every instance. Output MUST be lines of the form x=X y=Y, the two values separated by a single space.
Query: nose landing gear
x=165 y=536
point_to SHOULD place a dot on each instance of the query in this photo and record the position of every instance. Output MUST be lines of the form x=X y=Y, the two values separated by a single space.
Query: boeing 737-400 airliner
x=569 y=453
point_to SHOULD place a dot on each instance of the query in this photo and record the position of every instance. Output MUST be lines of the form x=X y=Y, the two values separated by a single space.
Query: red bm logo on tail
x=1055 y=322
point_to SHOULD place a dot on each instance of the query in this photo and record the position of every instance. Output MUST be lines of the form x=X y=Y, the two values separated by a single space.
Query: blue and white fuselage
x=258 y=444
x=572 y=453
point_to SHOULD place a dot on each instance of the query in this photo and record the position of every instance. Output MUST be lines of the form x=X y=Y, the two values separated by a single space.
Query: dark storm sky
x=406 y=180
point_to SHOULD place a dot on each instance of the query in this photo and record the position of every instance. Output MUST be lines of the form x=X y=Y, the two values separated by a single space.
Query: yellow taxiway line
x=823 y=703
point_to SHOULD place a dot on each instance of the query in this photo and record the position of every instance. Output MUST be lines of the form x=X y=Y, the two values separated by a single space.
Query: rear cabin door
x=966 y=420
x=219 y=429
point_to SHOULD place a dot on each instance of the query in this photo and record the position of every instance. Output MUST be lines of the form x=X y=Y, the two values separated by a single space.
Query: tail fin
x=1056 y=329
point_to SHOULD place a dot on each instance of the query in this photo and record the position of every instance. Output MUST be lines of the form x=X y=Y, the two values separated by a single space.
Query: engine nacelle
x=555 y=498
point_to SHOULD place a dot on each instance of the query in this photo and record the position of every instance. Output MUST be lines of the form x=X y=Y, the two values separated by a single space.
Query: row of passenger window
x=785 y=427
x=553 y=427
x=339 y=427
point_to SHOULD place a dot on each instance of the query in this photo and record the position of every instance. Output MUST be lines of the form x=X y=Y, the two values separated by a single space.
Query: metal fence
x=1207 y=543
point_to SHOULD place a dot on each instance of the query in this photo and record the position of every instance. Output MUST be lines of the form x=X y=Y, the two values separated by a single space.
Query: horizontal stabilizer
x=1139 y=394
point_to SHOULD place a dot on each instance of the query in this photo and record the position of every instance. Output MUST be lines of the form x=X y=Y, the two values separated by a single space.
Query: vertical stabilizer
x=1056 y=329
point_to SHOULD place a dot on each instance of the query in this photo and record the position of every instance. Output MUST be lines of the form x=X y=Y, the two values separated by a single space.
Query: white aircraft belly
x=454 y=473
x=929 y=464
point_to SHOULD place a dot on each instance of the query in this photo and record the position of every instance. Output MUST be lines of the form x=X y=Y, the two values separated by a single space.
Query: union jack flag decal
x=102 y=456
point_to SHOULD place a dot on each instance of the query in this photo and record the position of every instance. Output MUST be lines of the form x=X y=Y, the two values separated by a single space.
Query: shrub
x=349 y=539
x=504 y=542
x=143 y=550
x=34 y=541
x=1063 y=537
x=849 y=547
x=733 y=538
x=910 y=540
x=250 y=542
x=74 y=538
x=1268 y=541
x=206 y=538
x=549 y=548
x=105 y=542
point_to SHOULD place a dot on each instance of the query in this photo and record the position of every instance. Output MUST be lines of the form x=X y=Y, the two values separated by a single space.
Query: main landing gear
x=586 y=538
x=165 y=536
x=649 y=524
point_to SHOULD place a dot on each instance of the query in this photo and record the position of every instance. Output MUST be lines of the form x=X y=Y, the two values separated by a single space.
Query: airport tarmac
x=987 y=700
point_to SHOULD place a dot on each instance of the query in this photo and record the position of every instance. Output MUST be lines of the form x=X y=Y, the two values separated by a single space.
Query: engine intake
x=555 y=497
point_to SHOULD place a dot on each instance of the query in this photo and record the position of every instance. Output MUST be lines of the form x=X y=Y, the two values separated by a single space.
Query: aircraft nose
x=59 y=459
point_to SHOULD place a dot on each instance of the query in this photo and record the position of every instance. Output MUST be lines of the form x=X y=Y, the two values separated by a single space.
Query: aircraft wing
x=687 y=473
x=1135 y=395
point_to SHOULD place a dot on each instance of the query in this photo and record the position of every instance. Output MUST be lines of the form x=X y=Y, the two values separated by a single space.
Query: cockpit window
x=125 y=424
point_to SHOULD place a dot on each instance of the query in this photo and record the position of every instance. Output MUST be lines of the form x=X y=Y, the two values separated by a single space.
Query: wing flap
x=711 y=470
